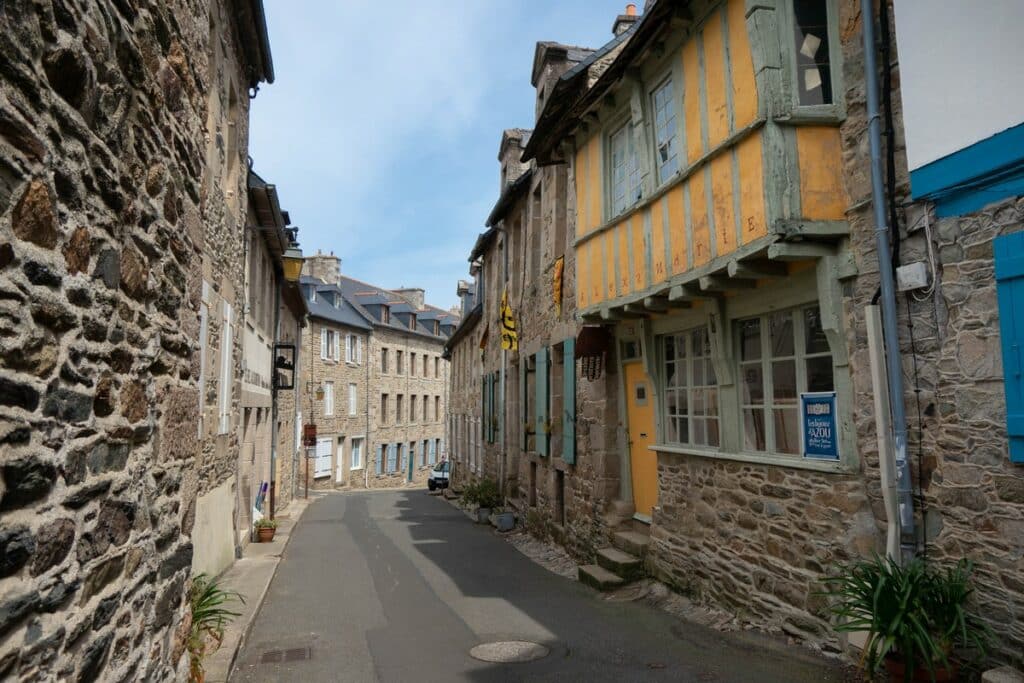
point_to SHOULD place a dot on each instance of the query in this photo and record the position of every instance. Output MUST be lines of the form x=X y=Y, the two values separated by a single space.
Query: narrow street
x=400 y=586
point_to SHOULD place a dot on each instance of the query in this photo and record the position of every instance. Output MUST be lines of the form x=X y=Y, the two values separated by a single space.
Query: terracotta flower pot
x=896 y=668
x=265 y=534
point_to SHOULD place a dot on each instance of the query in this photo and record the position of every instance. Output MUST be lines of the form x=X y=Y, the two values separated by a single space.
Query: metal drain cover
x=508 y=651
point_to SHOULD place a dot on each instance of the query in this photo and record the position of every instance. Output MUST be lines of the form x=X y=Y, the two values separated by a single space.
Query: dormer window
x=412 y=321
x=385 y=314
x=437 y=328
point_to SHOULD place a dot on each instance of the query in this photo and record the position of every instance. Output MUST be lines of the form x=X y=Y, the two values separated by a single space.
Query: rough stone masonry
x=105 y=132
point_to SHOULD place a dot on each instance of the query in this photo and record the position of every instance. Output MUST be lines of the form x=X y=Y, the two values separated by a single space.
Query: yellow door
x=640 y=432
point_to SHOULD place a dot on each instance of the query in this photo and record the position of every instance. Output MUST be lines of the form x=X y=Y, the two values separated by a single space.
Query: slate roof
x=344 y=313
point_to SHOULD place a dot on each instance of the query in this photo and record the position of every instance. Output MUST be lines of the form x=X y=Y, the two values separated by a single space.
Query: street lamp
x=292 y=263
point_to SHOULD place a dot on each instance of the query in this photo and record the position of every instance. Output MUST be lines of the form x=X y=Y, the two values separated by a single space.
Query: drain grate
x=295 y=654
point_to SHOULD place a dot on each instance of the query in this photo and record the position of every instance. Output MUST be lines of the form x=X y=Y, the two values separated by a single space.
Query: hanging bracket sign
x=819 y=433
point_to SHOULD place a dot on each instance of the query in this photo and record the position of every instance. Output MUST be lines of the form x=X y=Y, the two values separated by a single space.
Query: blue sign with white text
x=819 y=433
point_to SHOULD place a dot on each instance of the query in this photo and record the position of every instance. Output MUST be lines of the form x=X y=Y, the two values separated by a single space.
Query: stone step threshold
x=598 y=577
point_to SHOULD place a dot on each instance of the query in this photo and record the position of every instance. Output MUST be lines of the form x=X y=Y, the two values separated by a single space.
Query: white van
x=438 y=478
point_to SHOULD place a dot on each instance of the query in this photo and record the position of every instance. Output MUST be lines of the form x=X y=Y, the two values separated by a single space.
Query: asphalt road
x=400 y=586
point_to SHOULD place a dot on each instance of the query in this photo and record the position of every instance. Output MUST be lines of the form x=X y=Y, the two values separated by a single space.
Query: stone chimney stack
x=413 y=295
x=624 y=21
x=324 y=267
x=513 y=141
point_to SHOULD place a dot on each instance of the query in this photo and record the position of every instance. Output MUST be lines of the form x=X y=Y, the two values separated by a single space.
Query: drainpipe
x=366 y=440
x=273 y=392
x=888 y=296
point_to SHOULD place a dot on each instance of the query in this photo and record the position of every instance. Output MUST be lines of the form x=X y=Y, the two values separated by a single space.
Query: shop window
x=691 y=390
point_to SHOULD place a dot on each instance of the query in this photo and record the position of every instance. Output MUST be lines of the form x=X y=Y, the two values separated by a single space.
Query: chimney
x=414 y=295
x=624 y=21
x=326 y=268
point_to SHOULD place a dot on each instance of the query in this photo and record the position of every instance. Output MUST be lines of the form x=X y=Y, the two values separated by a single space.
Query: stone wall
x=107 y=203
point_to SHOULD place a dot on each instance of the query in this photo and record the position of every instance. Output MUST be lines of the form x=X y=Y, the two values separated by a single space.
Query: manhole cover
x=509 y=651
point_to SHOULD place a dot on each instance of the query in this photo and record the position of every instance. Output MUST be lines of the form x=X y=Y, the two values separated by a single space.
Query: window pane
x=670 y=348
x=750 y=339
x=810 y=38
x=698 y=373
x=784 y=381
x=670 y=402
x=680 y=346
x=670 y=374
x=787 y=432
x=753 y=384
x=712 y=428
x=699 y=435
x=683 y=425
x=711 y=401
x=815 y=339
x=671 y=433
x=697 y=405
x=753 y=429
x=819 y=374
x=709 y=373
x=665 y=131
x=781 y=326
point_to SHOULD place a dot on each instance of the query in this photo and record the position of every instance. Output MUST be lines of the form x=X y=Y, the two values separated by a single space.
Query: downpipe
x=904 y=492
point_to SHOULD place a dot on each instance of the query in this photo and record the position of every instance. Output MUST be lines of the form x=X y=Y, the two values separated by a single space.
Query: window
x=357 y=454
x=385 y=315
x=328 y=399
x=226 y=368
x=437 y=407
x=436 y=450
x=412 y=408
x=426 y=408
x=412 y=453
x=383 y=409
x=425 y=368
x=399 y=367
x=412 y=364
x=665 y=131
x=353 y=349
x=400 y=458
x=352 y=399
x=427 y=460
x=625 y=170
x=398 y=408
x=782 y=355
x=383 y=361
x=811 y=45
x=437 y=366
x=330 y=341
x=691 y=390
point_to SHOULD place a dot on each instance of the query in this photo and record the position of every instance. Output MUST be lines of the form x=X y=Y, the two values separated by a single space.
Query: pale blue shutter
x=540 y=409
x=380 y=459
x=524 y=418
x=569 y=401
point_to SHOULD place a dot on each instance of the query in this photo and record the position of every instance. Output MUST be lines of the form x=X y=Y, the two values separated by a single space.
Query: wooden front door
x=640 y=435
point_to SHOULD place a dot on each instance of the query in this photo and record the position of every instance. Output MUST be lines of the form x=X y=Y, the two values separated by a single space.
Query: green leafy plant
x=914 y=612
x=265 y=523
x=469 y=494
x=487 y=494
x=210 y=616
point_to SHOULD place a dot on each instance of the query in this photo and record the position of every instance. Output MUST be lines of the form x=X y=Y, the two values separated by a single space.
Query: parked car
x=438 y=478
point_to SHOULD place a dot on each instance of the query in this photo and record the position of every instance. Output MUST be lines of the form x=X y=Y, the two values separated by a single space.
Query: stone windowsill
x=828 y=466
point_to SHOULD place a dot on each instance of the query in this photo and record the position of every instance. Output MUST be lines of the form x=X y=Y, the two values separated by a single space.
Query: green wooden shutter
x=569 y=401
x=541 y=407
x=523 y=417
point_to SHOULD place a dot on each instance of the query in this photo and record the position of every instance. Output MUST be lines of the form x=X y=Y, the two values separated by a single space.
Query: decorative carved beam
x=798 y=251
x=686 y=293
x=713 y=283
x=756 y=270
x=812 y=229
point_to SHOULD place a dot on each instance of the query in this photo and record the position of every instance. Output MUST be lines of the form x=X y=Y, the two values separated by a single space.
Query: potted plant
x=207 y=602
x=265 y=529
x=914 y=616
x=503 y=519
x=487 y=498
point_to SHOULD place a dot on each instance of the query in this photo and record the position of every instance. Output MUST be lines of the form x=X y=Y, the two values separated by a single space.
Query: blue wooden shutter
x=391 y=458
x=540 y=409
x=1009 y=261
x=523 y=416
x=569 y=401
x=380 y=459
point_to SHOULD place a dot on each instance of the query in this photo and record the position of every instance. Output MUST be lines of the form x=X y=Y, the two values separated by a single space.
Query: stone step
x=631 y=542
x=627 y=566
x=599 y=578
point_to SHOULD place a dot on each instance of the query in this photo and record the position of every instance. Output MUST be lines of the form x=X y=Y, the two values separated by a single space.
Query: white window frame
x=689 y=389
x=328 y=399
x=813 y=112
x=204 y=334
x=631 y=176
x=356 y=452
x=226 y=367
x=298 y=430
x=322 y=468
x=669 y=126
x=353 y=399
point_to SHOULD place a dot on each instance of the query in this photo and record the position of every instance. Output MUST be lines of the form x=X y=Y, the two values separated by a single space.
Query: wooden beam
x=631 y=311
x=798 y=251
x=812 y=229
x=681 y=18
x=686 y=293
x=593 y=317
x=657 y=304
x=713 y=283
x=756 y=270
x=608 y=315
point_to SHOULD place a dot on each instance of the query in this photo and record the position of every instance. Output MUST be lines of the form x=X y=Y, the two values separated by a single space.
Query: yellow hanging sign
x=509 y=336
x=556 y=284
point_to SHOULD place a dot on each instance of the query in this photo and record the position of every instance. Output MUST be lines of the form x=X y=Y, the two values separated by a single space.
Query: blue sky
x=381 y=130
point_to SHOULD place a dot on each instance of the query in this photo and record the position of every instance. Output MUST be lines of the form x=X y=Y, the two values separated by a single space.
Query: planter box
x=265 y=535
x=503 y=521
x=483 y=515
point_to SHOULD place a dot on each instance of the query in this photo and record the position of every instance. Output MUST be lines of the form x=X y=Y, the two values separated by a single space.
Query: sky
x=381 y=129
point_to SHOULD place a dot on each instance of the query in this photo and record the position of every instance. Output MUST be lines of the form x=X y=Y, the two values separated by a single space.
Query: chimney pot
x=631 y=10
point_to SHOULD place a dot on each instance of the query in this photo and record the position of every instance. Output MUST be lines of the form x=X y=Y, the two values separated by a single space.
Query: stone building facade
x=528 y=417
x=388 y=358
x=725 y=237
x=117 y=224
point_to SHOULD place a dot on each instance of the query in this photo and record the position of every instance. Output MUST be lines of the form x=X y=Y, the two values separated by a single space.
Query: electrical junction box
x=912 y=276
